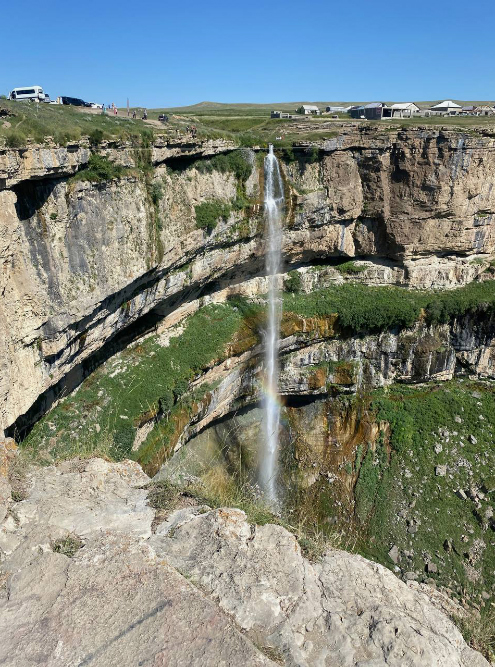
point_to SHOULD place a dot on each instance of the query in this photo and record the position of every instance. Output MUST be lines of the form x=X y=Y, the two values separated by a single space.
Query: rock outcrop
x=83 y=262
x=91 y=577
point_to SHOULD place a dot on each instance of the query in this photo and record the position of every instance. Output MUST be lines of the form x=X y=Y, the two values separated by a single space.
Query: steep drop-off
x=82 y=261
x=133 y=305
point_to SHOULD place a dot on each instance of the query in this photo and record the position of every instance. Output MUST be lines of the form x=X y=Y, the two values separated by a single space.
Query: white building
x=447 y=107
x=308 y=110
x=403 y=110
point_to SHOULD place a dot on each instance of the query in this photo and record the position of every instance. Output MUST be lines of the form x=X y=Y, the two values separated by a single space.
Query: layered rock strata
x=82 y=262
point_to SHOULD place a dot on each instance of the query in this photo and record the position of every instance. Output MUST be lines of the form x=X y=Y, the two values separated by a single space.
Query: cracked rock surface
x=206 y=588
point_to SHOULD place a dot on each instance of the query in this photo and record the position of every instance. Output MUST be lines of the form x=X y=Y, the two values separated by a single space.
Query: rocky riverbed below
x=93 y=574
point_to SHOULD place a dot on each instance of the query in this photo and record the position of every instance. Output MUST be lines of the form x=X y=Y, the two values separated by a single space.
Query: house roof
x=374 y=105
x=310 y=107
x=401 y=106
x=447 y=104
x=470 y=108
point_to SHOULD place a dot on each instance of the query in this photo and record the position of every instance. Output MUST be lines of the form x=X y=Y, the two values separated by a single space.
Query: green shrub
x=156 y=192
x=99 y=169
x=147 y=137
x=312 y=154
x=288 y=154
x=366 y=309
x=14 y=140
x=68 y=546
x=293 y=282
x=350 y=268
x=96 y=137
x=209 y=212
x=473 y=298
x=235 y=162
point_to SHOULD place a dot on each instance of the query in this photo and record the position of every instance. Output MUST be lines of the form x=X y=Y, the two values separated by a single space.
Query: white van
x=27 y=93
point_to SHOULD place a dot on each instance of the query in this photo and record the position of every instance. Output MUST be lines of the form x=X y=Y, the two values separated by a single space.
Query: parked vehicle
x=163 y=117
x=27 y=93
x=93 y=105
x=74 y=101
x=47 y=98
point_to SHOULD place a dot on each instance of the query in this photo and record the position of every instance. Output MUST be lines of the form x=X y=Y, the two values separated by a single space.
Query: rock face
x=114 y=602
x=83 y=262
x=205 y=588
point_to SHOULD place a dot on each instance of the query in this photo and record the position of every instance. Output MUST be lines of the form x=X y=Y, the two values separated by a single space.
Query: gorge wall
x=84 y=262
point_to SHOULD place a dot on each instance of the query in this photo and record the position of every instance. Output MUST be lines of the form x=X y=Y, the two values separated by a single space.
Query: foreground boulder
x=89 y=579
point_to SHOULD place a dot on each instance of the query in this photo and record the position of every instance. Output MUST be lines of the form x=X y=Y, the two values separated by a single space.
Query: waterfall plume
x=273 y=205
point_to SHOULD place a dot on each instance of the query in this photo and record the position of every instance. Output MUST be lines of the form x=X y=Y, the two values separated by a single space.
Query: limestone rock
x=8 y=452
x=206 y=589
x=342 y=611
x=114 y=603
x=81 y=261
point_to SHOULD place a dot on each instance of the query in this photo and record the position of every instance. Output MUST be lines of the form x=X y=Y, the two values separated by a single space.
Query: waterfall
x=274 y=204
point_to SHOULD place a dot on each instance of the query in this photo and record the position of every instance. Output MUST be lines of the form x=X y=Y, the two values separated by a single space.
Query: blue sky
x=178 y=52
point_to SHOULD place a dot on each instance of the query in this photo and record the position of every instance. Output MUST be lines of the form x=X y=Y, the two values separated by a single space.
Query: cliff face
x=82 y=262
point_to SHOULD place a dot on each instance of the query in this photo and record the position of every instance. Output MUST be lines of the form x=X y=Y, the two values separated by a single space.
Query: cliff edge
x=92 y=575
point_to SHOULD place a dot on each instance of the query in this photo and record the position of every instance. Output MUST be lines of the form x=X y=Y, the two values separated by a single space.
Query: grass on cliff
x=370 y=309
x=208 y=213
x=147 y=380
x=63 y=123
x=99 y=169
x=444 y=519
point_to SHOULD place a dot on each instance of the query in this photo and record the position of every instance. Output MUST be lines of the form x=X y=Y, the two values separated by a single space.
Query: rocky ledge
x=92 y=575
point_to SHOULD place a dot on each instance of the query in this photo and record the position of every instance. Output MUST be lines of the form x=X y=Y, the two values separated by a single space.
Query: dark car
x=163 y=117
x=75 y=102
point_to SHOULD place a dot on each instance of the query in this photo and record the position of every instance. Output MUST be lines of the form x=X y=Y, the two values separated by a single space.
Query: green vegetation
x=63 y=124
x=400 y=500
x=149 y=380
x=362 y=308
x=208 y=213
x=478 y=630
x=235 y=162
x=350 y=268
x=156 y=192
x=99 y=169
x=293 y=282
x=68 y=546
x=145 y=382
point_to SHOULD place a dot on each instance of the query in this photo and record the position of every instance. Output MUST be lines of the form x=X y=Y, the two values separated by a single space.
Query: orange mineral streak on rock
x=316 y=327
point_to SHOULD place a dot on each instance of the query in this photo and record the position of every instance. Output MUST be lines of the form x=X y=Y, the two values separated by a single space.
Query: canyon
x=132 y=323
x=83 y=261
